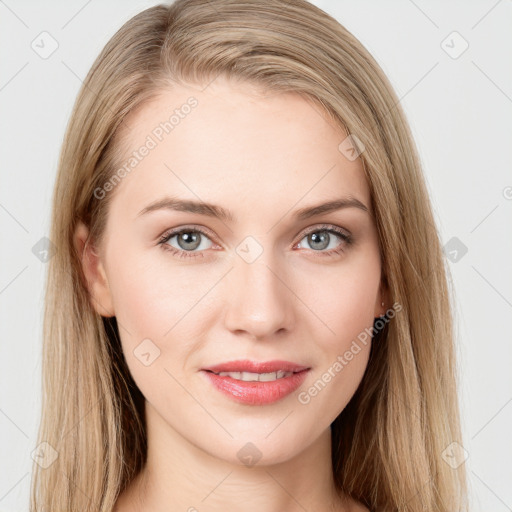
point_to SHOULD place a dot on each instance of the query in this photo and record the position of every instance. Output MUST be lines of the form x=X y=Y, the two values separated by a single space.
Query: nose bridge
x=260 y=303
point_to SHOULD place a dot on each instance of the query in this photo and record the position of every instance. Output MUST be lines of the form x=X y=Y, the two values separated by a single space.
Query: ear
x=382 y=297
x=94 y=272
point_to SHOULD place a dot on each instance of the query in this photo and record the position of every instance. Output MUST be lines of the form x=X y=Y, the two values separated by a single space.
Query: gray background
x=459 y=106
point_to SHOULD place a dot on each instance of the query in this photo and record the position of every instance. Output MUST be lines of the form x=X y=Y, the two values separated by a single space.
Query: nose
x=260 y=302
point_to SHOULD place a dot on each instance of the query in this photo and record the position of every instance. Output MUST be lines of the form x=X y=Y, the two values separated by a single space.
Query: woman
x=248 y=306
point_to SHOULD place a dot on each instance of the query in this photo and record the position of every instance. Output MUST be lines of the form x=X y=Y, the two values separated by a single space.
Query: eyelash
x=347 y=240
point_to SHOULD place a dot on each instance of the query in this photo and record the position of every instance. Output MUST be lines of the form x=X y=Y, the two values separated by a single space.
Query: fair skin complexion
x=261 y=156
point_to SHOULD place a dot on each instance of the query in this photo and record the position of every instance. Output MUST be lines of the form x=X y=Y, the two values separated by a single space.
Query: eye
x=321 y=238
x=187 y=240
x=192 y=242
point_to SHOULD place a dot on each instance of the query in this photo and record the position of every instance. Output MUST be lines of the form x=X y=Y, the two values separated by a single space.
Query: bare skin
x=262 y=157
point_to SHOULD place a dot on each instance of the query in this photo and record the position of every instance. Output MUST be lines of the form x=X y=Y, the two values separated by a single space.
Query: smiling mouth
x=250 y=369
x=257 y=388
x=255 y=377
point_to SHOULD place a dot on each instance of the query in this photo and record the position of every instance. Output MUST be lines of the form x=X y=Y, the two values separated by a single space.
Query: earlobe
x=382 y=303
x=94 y=272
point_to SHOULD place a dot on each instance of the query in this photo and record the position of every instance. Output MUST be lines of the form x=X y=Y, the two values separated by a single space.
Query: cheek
x=157 y=320
x=163 y=302
x=342 y=306
x=343 y=341
x=151 y=295
x=341 y=299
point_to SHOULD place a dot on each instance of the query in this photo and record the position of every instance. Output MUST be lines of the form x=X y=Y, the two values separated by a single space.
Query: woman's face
x=263 y=282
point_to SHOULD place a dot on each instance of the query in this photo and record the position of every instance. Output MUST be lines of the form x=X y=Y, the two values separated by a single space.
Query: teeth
x=253 y=377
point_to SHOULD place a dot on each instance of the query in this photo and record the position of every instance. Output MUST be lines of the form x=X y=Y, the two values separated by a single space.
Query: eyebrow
x=212 y=210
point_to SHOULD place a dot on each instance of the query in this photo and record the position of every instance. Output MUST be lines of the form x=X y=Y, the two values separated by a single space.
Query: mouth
x=255 y=377
x=256 y=383
x=256 y=367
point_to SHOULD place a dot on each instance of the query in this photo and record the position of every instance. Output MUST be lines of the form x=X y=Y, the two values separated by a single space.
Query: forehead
x=234 y=145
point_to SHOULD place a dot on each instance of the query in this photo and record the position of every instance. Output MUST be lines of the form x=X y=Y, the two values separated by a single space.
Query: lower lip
x=257 y=393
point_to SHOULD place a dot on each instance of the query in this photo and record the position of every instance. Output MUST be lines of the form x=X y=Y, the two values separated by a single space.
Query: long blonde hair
x=388 y=443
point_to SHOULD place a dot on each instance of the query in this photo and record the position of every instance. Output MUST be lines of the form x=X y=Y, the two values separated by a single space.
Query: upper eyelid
x=326 y=227
x=191 y=227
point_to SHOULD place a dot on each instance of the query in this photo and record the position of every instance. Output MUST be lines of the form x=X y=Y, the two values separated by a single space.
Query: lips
x=257 y=367
x=288 y=376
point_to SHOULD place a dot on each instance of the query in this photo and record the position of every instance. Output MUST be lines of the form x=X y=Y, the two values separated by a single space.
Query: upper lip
x=256 y=366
